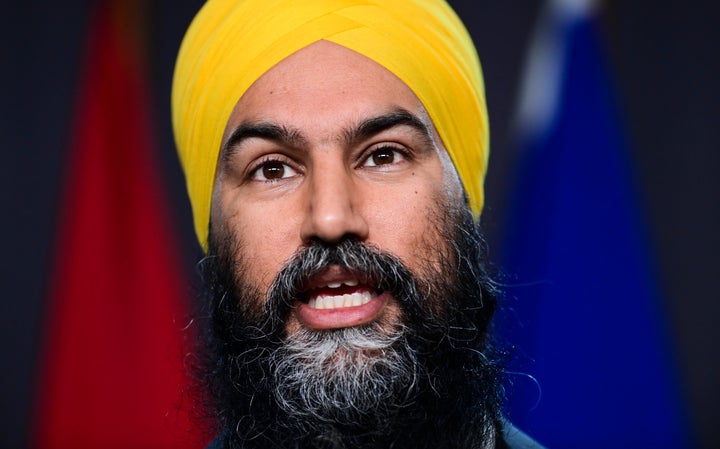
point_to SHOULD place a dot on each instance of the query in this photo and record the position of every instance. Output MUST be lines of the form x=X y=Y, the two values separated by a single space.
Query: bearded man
x=334 y=153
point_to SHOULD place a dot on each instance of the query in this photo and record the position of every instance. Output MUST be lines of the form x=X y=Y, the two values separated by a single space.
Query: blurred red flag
x=111 y=373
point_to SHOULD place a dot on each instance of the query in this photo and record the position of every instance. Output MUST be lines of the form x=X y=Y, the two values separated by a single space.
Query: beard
x=426 y=379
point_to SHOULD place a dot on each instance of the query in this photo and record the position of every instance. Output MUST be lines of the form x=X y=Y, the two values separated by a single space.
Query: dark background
x=664 y=61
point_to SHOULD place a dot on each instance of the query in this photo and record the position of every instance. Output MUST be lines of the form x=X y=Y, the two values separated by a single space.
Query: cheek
x=266 y=242
x=402 y=220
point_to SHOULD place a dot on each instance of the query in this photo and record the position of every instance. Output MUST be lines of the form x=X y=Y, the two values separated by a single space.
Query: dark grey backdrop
x=665 y=63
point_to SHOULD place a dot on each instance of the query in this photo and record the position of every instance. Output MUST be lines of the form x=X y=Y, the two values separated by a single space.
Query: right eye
x=272 y=170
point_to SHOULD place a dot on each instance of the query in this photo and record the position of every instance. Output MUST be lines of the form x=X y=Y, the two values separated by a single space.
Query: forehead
x=322 y=86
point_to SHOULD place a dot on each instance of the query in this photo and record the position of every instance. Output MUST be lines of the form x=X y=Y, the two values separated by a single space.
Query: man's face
x=325 y=146
x=347 y=295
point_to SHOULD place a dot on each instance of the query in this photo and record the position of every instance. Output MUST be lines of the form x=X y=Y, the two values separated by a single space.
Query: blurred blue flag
x=585 y=311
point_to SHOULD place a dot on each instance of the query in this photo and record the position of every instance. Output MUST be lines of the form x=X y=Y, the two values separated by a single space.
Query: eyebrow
x=375 y=125
x=291 y=137
x=262 y=130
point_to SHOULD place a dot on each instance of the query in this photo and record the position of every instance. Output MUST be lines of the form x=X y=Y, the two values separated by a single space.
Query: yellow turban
x=232 y=43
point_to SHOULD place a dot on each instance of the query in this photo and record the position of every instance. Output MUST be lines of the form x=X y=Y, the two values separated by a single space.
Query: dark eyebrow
x=376 y=125
x=290 y=137
x=269 y=131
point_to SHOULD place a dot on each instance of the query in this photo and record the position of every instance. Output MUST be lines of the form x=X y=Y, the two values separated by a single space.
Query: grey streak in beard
x=343 y=376
x=266 y=384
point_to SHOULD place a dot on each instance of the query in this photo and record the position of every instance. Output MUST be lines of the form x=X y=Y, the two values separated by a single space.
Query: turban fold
x=232 y=43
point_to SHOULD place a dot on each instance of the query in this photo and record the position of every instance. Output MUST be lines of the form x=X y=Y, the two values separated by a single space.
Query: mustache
x=370 y=265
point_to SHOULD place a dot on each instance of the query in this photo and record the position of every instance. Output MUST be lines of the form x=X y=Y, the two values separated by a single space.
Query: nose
x=332 y=207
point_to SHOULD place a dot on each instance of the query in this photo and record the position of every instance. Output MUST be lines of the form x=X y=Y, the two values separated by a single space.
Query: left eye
x=384 y=156
x=273 y=171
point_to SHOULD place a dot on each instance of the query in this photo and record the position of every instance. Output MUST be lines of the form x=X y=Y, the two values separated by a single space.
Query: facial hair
x=429 y=380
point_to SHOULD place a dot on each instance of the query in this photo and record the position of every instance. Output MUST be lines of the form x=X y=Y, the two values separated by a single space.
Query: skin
x=295 y=168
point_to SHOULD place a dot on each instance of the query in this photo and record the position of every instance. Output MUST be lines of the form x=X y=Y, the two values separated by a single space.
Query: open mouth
x=339 y=294
x=338 y=298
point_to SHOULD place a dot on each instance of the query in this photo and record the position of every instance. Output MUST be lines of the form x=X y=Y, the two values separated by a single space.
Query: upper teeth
x=348 y=282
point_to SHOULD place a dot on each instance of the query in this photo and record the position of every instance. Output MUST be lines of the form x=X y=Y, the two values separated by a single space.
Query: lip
x=341 y=317
x=338 y=281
